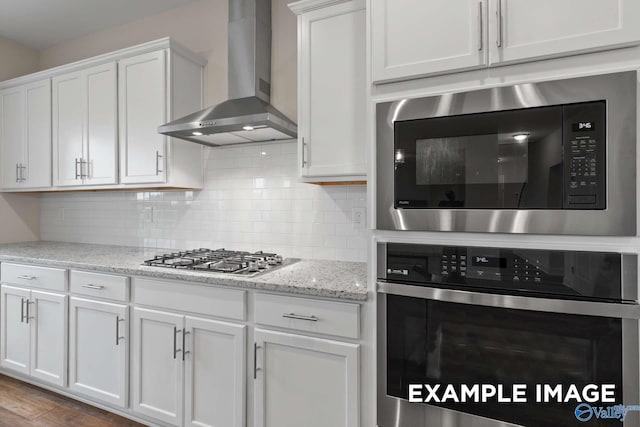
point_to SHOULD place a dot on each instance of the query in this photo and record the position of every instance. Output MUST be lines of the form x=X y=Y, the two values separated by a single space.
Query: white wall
x=19 y=214
x=251 y=201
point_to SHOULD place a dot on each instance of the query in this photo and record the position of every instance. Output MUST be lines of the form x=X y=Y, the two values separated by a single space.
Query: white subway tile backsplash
x=252 y=200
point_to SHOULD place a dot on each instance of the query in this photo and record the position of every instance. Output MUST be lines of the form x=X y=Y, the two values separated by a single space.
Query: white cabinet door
x=412 y=38
x=304 y=381
x=14 y=330
x=12 y=122
x=47 y=318
x=68 y=129
x=214 y=374
x=36 y=171
x=98 y=350
x=531 y=30
x=157 y=365
x=101 y=124
x=333 y=92
x=142 y=85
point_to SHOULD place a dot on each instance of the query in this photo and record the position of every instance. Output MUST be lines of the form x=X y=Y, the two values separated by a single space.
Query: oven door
x=440 y=336
x=503 y=160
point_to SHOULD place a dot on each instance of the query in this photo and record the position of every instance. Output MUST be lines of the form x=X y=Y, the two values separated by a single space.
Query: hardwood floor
x=24 y=405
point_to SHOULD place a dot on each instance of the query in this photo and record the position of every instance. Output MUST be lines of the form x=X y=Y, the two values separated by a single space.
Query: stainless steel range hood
x=248 y=115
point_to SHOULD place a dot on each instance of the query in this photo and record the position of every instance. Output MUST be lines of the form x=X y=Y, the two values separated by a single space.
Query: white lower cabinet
x=15 y=330
x=34 y=334
x=98 y=350
x=305 y=381
x=176 y=356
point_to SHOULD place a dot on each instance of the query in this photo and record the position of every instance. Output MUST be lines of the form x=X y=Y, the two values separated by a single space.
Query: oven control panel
x=584 y=131
x=576 y=274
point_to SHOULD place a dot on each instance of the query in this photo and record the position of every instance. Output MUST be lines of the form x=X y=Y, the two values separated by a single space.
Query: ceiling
x=40 y=24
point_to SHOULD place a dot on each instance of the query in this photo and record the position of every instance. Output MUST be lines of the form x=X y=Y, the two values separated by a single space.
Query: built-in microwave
x=555 y=157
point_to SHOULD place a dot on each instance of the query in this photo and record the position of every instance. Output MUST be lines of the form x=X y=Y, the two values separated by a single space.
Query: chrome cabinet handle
x=176 y=350
x=480 y=26
x=255 y=360
x=28 y=303
x=21 y=310
x=304 y=161
x=84 y=175
x=93 y=286
x=25 y=277
x=300 y=317
x=158 y=157
x=118 y=337
x=17 y=172
x=77 y=163
x=184 y=343
x=499 y=17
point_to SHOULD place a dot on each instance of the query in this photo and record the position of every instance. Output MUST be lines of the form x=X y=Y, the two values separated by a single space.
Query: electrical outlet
x=358 y=217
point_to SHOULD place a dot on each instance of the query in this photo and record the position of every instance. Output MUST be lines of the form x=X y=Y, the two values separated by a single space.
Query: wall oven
x=472 y=315
x=556 y=157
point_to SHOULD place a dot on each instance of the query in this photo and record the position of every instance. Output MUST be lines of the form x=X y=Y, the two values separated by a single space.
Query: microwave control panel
x=577 y=274
x=584 y=131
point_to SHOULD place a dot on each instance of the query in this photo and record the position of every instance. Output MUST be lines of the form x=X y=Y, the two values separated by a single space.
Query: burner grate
x=218 y=261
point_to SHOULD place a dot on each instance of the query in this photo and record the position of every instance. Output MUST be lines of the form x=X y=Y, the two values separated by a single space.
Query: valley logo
x=585 y=412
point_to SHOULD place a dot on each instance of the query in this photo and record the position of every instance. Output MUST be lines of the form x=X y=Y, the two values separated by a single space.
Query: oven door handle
x=587 y=308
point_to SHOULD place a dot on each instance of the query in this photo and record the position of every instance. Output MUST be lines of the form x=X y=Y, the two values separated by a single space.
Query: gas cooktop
x=220 y=261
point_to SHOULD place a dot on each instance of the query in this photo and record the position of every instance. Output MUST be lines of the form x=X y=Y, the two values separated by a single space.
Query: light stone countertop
x=330 y=279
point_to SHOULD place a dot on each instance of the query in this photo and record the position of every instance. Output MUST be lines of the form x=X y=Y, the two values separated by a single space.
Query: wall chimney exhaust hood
x=248 y=115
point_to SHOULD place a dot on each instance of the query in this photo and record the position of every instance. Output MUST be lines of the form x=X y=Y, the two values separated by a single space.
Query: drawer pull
x=24 y=277
x=98 y=287
x=300 y=317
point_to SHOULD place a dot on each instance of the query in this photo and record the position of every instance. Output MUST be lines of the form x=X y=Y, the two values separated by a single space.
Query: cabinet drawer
x=99 y=285
x=199 y=299
x=323 y=317
x=53 y=279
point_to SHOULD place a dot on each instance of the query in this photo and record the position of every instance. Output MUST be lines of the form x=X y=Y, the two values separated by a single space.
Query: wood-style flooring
x=24 y=405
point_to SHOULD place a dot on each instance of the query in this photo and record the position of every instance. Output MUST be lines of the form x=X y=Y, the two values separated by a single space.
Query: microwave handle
x=499 y=23
x=480 y=26
x=586 y=308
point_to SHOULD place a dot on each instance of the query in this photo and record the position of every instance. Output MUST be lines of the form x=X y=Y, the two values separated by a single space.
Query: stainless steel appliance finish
x=397 y=412
x=619 y=218
x=247 y=264
x=248 y=115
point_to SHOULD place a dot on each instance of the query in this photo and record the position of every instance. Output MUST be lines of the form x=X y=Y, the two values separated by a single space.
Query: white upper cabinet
x=101 y=134
x=93 y=124
x=411 y=38
x=155 y=88
x=332 y=91
x=25 y=135
x=84 y=127
x=416 y=38
x=12 y=135
x=530 y=30
x=143 y=107
x=67 y=128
